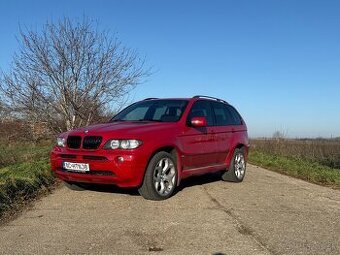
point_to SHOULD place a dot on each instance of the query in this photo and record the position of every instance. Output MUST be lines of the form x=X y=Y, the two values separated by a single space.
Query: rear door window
x=225 y=115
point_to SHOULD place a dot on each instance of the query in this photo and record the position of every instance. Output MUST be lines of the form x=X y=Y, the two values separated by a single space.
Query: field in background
x=314 y=160
x=24 y=172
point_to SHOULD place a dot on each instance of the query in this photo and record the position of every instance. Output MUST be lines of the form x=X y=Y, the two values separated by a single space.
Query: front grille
x=90 y=157
x=89 y=142
x=92 y=142
x=85 y=157
x=102 y=173
x=74 y=142
x=67 y=156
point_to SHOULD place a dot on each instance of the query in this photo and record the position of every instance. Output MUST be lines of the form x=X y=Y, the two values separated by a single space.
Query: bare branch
x=69 y=73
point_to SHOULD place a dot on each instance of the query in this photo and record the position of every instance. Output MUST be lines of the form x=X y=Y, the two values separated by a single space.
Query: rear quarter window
x=236 y=118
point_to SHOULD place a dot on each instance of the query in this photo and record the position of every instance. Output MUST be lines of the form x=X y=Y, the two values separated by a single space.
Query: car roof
x=193 y=98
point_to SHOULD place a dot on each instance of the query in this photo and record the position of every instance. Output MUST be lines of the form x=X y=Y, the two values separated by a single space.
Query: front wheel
x=160 y=177
x=237 y=169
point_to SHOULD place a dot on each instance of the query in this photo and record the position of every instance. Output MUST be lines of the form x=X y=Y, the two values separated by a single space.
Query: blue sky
x=277 y=61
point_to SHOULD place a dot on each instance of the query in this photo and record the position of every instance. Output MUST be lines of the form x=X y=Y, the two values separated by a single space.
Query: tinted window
x=237 y=120
x=225 y=115
x=222 y=117
x=153 y=110
x=202 y=109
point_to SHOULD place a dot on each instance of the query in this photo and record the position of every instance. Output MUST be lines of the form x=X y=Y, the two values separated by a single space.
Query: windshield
x=153 y=110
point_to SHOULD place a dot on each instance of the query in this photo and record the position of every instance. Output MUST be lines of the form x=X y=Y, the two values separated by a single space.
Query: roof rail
x=214 y=98
x=149 y=98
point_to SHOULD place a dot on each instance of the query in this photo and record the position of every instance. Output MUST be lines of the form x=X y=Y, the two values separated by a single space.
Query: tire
x=74 y=186
x=237 y=168
x=160 y=177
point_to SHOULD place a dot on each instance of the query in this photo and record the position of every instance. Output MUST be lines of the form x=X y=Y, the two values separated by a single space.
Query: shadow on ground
x=199 y=180
x=186 y=183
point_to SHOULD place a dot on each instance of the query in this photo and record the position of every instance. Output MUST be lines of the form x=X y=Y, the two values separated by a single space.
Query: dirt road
x=266 y=214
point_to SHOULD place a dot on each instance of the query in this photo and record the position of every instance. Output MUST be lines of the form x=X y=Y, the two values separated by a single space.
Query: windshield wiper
x=137 y=120
x=150 y=120
x=117 y=120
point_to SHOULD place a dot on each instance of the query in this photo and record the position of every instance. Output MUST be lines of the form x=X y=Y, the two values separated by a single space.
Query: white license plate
x=78 y=167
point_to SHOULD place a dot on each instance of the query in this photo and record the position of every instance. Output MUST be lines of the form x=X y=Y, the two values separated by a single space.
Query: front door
x=198 y=144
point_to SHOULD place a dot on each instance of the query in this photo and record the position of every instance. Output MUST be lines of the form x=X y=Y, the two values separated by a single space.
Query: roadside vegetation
x=313 y=160
x=24 y=173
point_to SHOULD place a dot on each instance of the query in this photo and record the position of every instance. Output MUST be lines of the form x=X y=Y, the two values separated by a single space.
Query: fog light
x=120 y=159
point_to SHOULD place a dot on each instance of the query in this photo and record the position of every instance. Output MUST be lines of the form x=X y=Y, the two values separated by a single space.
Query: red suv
x=154 y=144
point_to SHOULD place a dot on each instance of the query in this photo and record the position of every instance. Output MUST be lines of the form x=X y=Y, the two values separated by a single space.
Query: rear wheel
x=237 y=169
x=160 y=177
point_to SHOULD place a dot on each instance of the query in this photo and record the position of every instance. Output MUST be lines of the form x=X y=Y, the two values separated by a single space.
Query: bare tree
x=279 y=135
x=68 y=73
x=4 y=111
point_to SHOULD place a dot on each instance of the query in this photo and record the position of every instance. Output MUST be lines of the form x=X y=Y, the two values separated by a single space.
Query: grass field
x=314 y=160
x=24 y=172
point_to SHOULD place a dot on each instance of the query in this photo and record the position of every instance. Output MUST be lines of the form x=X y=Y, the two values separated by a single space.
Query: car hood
x=122 y=128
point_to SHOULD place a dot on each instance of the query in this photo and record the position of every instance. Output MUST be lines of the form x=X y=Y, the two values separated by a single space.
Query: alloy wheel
x=164 y=176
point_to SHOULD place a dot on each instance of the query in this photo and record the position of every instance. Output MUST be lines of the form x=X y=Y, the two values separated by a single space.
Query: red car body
x=198 y=148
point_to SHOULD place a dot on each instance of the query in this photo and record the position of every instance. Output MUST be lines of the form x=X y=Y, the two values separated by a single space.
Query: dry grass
x=323 y=151
x=313 y=160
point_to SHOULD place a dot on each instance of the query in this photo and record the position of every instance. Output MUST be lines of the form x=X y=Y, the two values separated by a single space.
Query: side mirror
x=198 y=122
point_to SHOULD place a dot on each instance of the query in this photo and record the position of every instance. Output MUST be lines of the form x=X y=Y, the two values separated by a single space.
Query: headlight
x=61 y=141
x=122 y=144
x=113 y=144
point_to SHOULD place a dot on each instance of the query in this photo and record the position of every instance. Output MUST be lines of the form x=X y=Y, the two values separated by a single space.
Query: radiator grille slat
x=74 y=142
x=92 y=142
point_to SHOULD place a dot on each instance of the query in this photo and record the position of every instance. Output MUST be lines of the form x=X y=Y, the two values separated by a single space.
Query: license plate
x=78 y=167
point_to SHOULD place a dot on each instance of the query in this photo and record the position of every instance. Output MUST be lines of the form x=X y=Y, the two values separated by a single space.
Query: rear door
x=227 y=123
x=198 y=144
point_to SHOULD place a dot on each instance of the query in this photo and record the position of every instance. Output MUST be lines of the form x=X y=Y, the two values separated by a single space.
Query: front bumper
x=121 y=168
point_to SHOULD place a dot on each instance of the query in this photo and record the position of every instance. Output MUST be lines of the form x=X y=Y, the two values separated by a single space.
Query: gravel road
x=266 y=214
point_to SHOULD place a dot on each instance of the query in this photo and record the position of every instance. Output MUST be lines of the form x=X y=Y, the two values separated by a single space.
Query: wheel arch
x=174 y=151
x=243 y=147
x=231 y=152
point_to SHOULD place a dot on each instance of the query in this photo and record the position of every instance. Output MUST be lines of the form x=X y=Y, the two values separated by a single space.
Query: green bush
x=24 y=171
